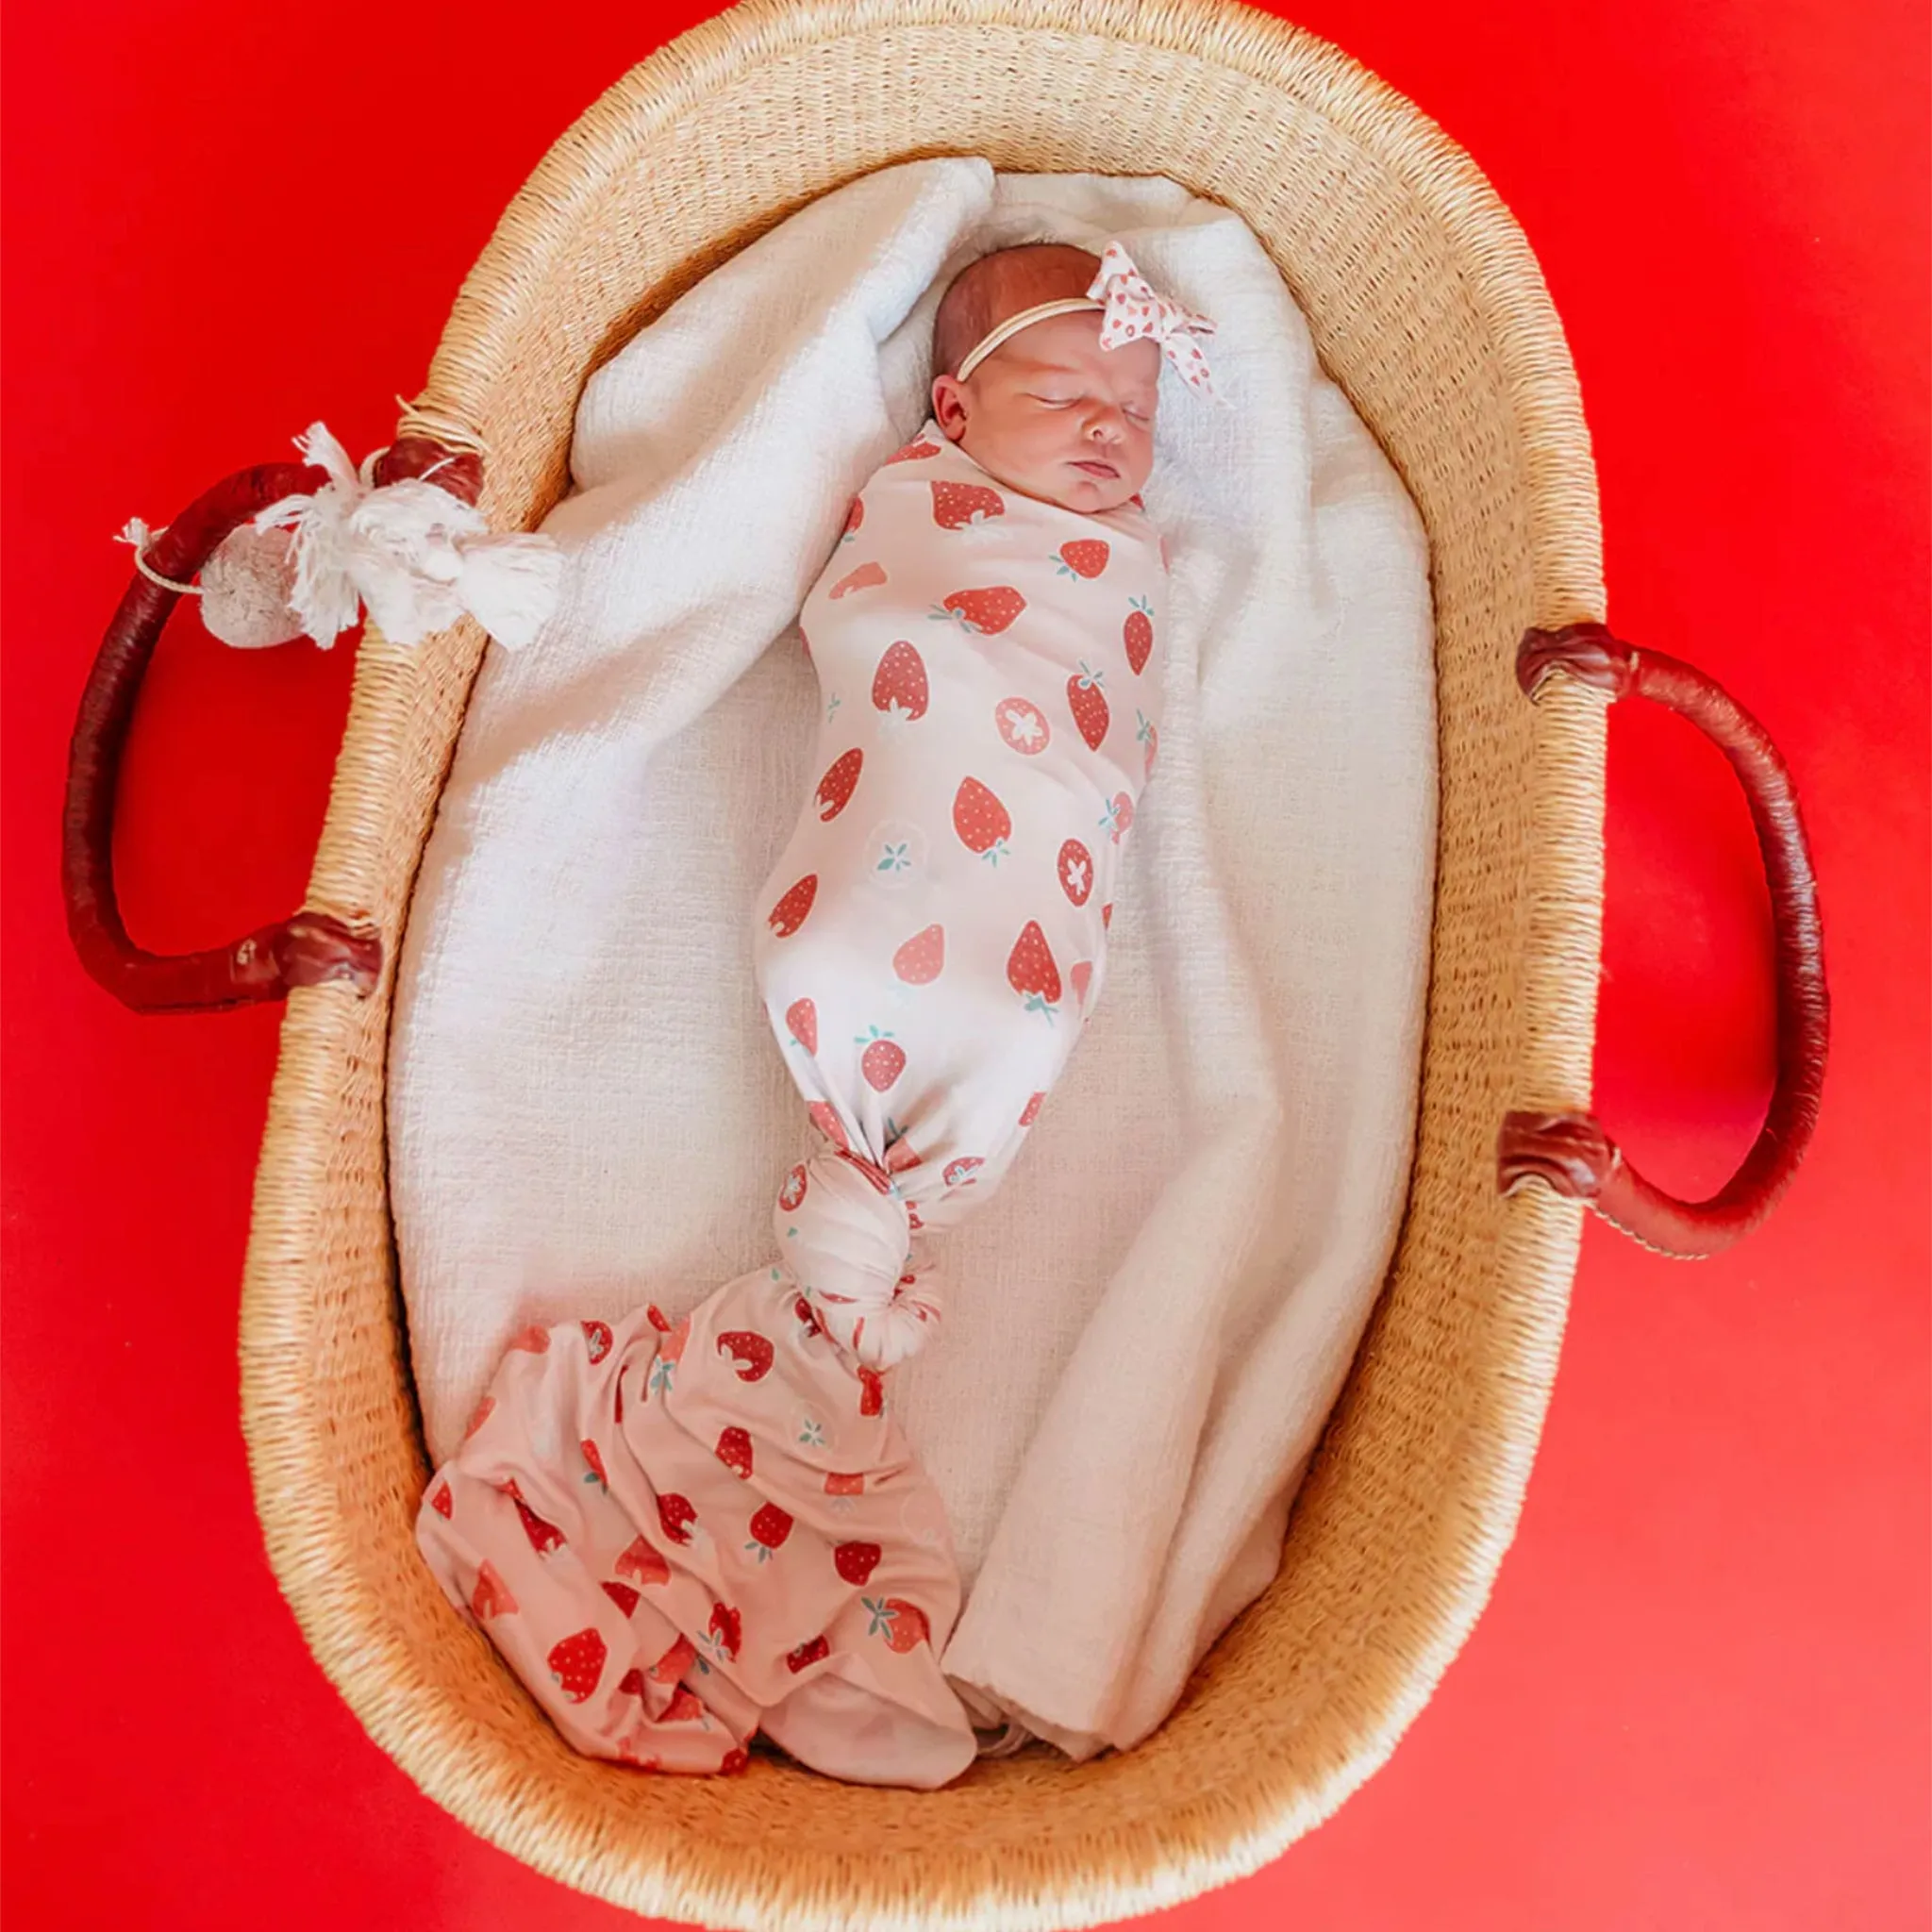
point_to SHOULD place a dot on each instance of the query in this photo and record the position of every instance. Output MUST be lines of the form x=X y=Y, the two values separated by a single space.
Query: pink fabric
x=680 y=1536
x=1134 y=308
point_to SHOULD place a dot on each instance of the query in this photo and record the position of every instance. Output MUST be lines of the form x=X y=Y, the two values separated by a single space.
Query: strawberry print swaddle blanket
x=682 y=1535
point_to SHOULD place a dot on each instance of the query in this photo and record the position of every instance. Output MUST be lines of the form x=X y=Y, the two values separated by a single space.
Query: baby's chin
x=1099 y=492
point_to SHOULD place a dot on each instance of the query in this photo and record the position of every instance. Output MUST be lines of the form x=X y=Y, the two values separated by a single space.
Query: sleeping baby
x=683 y=1535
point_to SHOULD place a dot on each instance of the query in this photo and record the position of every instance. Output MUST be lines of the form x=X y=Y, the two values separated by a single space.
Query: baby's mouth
x=1095 y=467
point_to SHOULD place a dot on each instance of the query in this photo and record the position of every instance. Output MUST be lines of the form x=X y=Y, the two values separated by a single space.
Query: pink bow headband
x=1132 y=310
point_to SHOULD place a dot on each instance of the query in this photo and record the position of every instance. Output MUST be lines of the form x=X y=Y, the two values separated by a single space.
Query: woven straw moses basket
x=1426 y=307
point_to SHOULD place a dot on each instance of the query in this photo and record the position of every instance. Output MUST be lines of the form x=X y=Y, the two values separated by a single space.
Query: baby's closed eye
x=1136 y=410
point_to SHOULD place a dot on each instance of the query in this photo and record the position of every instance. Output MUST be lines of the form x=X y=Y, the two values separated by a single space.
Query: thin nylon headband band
x=1014 y=324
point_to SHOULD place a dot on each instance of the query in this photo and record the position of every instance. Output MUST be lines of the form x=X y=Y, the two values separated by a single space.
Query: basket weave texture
x=1428 y=308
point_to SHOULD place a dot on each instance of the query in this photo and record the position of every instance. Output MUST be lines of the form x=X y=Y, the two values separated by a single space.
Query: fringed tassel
x=414 y=557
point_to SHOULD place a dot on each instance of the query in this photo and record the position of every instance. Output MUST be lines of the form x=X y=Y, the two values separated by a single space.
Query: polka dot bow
x=1134 y=309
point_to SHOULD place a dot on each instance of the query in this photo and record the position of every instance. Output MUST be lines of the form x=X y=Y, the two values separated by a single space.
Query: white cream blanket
x=1146 y=1329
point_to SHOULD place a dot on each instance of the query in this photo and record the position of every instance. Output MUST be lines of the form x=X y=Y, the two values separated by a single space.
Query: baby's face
x=1052 y=414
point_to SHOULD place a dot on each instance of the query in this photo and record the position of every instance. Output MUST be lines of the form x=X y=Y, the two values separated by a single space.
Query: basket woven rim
x=387 y=1689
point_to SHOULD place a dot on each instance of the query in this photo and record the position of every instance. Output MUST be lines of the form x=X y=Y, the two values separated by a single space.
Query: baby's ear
x=949 y=406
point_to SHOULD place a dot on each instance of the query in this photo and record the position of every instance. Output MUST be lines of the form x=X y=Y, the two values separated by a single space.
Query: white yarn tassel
x=415 y=555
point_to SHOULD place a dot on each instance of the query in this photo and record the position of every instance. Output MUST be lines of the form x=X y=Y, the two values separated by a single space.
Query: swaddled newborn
x=683 y=1535
x=935 y=933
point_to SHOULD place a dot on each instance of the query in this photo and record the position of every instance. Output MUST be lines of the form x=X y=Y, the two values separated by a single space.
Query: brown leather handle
x=1572 y=1153
x=310 y=948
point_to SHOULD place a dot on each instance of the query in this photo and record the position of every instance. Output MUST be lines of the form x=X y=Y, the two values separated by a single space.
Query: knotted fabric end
x=845 y=1238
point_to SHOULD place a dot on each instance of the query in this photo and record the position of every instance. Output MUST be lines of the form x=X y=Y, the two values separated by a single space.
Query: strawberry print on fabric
x=1088 y=703
x=1031 y=972
x=1077 y=872
x=802 y=1018
x=770 y=1528
x=960 y=506
x=577 y=1664
x=994 y=757
x=882 y=1062
x=899 y=684
x=735 y=1452
x=983 y=824
x=923 y=957
x=751 y=1355
x=642 y=1565
x=675 y=1530
x=491 y=1597
x=1022 y=727
x=790 y=912
x=985 y=613
x=1082 y=557
x=544 y=1537
x=837 y=787
x=1137 y=633
x=895 y=852
x=902 y=1624
x=676 y=1516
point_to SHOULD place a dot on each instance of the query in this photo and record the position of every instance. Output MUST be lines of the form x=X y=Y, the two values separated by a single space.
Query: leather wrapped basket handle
x=1572 y=1153
x=307 y=949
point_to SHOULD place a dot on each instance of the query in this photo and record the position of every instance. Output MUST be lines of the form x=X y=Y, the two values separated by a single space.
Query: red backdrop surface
x=1700 y=1696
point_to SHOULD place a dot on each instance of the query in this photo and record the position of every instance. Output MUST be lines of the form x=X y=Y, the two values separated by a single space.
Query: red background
x=1699 y=1697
